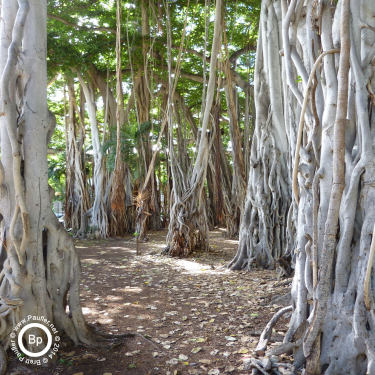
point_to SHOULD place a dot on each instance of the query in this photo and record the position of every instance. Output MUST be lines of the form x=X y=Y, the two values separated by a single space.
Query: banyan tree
x=311 y=180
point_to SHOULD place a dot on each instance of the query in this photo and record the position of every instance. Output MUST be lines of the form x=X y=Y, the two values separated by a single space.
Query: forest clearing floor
x=193 y=315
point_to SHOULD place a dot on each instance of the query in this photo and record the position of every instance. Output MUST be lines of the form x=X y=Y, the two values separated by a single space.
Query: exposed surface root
x=266 y=334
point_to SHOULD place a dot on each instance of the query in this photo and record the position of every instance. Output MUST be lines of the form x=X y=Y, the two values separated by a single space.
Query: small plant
x=64 y=361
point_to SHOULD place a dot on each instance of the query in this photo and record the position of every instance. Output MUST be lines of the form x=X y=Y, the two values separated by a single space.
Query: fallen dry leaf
x=196 y=350
x=243 y=351
x=205 y=361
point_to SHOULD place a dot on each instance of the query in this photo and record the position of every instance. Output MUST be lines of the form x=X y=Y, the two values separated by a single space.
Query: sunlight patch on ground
x=162 y=246
x=89 y=261
x=122 y=248
x=232 y=241
x=130 y=289
x=194 y=267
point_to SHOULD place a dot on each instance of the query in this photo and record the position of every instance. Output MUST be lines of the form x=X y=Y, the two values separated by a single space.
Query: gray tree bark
x=316 y=99
x=263 y=234
x=38 y=274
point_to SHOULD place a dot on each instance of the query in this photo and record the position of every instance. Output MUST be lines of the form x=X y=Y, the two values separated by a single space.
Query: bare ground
x=193 y=316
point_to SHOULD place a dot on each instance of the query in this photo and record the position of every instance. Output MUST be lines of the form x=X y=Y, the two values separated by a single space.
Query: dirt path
x=198 y=317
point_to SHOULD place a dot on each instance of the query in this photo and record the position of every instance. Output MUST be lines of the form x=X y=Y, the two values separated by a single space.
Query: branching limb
x=72 y=24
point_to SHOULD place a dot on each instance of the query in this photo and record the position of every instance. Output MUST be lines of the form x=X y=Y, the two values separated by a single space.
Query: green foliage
x=81 y=46
x=56 y=174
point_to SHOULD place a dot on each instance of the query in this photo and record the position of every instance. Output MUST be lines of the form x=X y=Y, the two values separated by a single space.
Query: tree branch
x=192 y=51
x=71 y=24
x=248 y=47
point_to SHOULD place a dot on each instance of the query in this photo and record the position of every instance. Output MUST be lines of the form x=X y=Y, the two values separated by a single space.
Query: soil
x=190 y=316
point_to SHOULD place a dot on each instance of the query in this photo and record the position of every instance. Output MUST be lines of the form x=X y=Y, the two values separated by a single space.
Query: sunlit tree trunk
x=265 y=225
x=96 y=215
x=37 y=274
x=327 y=68
x=77 y=201
x=188 y=222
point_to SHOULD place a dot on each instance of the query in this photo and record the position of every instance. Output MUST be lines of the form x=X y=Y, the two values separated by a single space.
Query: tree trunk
x=40 y=270
x=331 y=170
x=98 y=222
x=264 y=228
x=118 y=210
x=235 y=201
x=188 y=222
x=77 y=201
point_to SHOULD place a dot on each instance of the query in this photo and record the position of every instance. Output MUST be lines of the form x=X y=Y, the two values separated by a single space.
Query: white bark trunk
x=188 y=222
x=263 y=235
x=40 y=270
x=97 y=213
x=333 y=296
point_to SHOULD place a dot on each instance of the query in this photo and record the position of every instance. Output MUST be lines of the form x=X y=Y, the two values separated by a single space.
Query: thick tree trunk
x=111 y=121
x=77 y=201
x=332 y=173
x=98 y=222
x=188 y=222
x=264 y=228
x=40 y=269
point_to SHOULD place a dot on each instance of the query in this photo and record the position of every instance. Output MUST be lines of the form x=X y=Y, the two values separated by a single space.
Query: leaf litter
x=185 y=302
